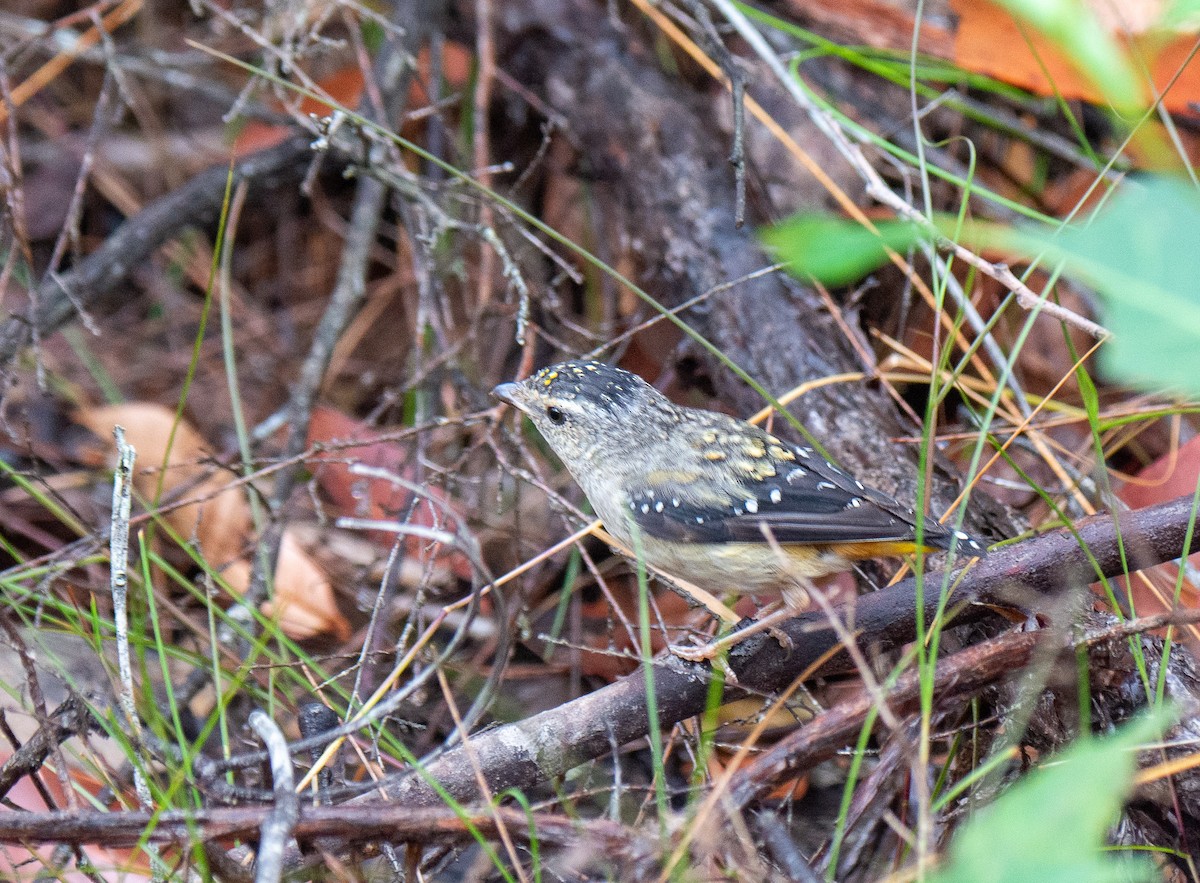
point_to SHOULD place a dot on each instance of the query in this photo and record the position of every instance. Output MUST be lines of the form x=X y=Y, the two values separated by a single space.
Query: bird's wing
x=788 y=496
x=798 y=506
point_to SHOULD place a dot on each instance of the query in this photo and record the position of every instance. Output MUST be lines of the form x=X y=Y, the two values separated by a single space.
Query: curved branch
x=536 y=750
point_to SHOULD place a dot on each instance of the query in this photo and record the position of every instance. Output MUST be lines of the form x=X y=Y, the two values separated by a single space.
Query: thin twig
x=94 y=279
x=118 y=554
x=485 y=55
x=277 y=827
x=72 y=718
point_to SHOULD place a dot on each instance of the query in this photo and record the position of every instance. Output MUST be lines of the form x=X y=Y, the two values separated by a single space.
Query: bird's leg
x=795 y=600
x=713 y=649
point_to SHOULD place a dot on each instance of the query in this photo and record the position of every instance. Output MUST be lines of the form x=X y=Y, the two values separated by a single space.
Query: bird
x=712 y=500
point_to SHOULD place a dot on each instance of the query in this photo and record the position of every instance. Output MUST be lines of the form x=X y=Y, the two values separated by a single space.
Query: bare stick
x=92 y=283
x=277 y=827
x=118 y=553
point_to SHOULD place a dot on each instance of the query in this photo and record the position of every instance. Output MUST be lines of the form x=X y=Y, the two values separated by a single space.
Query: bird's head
x=590 y=412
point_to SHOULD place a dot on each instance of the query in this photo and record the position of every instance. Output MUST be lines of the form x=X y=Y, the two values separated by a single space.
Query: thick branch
x=961 y=676
x=534 y=751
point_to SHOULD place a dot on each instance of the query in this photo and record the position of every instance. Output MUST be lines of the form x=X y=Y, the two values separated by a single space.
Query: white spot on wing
x=658 y=507
x=645 y=508
x=826 y=486
x=776 y=496
x=752 y=506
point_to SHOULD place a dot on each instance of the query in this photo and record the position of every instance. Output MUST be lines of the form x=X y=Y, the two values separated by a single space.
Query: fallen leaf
x=1171 y=476
x=376 y=498
x=344 y=87
x=302 y=603
x=989 y=41
x=219 y=521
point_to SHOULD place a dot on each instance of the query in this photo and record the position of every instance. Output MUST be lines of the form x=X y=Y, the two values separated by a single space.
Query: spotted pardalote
x=713 y=500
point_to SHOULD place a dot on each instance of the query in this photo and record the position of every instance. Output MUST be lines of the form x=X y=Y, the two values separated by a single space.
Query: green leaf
x=1143 y=257
x=1089 y=395
x=835 y=251
x=1181 y=15
x=1050 y=826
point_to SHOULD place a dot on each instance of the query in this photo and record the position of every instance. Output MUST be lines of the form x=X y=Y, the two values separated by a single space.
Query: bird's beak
x=510 y=392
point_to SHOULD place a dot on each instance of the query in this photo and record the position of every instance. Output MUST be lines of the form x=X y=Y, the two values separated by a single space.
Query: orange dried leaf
x=989 y=41
x=345 y=88
x=1171 y=476
x=219 y=521
x=302 y=603
x=219 y=518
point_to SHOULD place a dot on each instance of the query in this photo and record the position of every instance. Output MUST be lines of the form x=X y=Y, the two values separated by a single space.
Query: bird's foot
x=782 y=638
x=715 y=653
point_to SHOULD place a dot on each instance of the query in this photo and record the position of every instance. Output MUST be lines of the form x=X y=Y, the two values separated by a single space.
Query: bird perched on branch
x=710 y=499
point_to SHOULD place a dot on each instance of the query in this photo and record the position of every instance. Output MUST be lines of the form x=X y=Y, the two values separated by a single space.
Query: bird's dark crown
x=594 y=382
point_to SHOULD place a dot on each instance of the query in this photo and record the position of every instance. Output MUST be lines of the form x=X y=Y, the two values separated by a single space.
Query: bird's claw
x=712 y=652
x=782 y=638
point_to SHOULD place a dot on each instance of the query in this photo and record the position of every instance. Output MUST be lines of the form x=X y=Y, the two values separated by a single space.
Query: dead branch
x=93 y=283
x=958 y=677
x=71 y=718
x=533 y=751
x=350 y=824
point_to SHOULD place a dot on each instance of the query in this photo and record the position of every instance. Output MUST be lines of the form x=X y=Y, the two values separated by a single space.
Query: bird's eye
x=556 y=415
